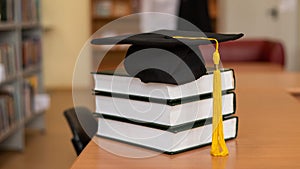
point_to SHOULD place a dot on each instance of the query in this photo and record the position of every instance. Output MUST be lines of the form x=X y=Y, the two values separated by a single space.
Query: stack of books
x=164 y=117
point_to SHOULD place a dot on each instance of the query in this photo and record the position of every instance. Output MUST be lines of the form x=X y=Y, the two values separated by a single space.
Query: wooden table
x=268 y=137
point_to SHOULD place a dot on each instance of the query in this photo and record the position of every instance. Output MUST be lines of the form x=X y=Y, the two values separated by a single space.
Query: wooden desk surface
x=268 y=136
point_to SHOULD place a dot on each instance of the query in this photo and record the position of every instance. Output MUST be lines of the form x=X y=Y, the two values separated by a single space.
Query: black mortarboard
x=160 y=57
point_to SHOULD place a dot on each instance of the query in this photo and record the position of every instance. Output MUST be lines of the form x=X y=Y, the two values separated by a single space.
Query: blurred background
x=71 y=25
x=54 y=32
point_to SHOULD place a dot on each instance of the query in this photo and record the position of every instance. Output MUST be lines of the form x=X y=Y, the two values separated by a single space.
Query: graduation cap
x=165 y=56
x=151 y=58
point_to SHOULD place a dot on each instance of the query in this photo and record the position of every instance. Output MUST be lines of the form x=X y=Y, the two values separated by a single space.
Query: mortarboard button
x=158 y=57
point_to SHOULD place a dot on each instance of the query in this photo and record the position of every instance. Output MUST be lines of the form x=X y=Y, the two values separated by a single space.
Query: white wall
x=67 y=29
x=254 y=19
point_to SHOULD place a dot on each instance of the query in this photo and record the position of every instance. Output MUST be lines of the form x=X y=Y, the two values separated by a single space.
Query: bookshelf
x=213 y=12
x=105 y=11
x=22 y=102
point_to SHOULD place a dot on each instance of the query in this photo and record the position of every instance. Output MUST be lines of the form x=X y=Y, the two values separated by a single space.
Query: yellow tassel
x=218 y=146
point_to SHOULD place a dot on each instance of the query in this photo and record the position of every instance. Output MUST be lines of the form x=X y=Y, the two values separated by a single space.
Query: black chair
x=83 y=126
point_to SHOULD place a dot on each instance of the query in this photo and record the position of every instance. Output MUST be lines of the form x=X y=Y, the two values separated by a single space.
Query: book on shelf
x=41 y=102
x=31 y=52
x=30 y=11
x=6 y=10
x=33 y=81
x=122 y=8
x=165 y=112
x=167 y=139
x=2 y=72
x=119 y=82
x=103 y=8
x=112 y=8
x=4 y=116
x=35 y=101
x=28 y=99
x=7 y=109
x=8 y=60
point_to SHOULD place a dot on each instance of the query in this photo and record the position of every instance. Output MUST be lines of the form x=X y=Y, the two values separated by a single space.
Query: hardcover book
x=121 y=83
x=165 y=112
x=167 y=139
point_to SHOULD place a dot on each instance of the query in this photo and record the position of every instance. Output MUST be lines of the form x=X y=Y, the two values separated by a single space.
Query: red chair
x=248 y=50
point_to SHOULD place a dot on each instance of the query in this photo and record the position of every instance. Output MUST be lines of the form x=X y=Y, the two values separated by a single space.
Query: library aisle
x=51 y=149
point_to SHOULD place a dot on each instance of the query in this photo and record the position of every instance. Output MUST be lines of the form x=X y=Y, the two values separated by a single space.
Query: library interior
x=133 y=83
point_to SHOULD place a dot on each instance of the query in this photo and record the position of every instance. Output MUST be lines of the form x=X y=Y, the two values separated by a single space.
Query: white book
x=165 y=112
x=169 y=140
x=121 y=83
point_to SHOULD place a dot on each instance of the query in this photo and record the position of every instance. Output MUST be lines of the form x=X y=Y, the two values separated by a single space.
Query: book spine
x=3 y=10
x=28 y=95
x=7 y=110
x=31 y=48
x=133 y=86
x=6 y=10
x=10 y=10
x=7 y=61
x=30 y=11
x=163 y=139
x=162 y=113
x=173 y=129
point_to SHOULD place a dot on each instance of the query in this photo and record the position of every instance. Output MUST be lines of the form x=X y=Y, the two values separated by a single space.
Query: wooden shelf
x=32 y=70
x=8 y=80
x=29 y=25
x=7 y=26
x=101 y=18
